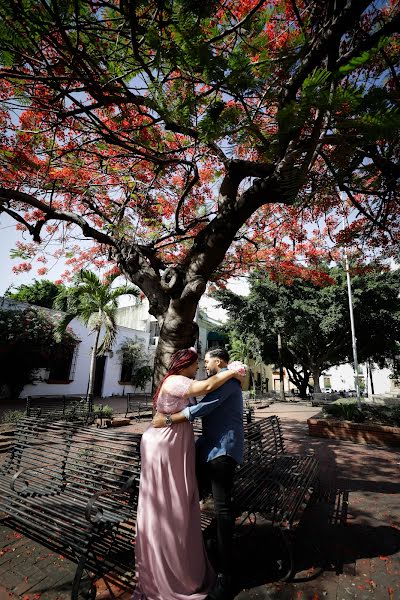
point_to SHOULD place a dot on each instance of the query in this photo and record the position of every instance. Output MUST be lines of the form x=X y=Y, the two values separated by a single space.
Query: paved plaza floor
x=357 y=559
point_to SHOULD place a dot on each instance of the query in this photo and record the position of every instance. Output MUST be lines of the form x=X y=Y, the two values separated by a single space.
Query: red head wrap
x=180 y=360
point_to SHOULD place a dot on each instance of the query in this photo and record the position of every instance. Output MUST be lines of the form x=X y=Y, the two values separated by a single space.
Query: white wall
x=135 y=315
x=112 y=370
x=342 y=378
x=80 y=377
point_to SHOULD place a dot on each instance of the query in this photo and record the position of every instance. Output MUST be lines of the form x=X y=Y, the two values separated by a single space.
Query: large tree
x=314 y=322
x=188 y=139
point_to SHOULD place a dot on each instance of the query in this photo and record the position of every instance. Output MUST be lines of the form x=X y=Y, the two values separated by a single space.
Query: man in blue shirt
x=219 y=450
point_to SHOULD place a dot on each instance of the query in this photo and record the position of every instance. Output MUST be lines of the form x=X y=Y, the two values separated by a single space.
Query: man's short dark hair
x=219 y=353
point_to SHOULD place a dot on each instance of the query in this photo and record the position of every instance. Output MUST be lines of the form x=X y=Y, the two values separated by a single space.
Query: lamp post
x=353 y=331
x=281 y=380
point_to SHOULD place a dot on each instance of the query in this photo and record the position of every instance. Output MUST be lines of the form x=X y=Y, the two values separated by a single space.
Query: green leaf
x=363 y=58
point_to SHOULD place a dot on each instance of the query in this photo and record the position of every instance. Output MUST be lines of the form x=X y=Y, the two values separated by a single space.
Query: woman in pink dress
x=171 y=561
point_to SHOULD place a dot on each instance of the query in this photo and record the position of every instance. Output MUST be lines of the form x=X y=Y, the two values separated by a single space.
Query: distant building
x=341 y=378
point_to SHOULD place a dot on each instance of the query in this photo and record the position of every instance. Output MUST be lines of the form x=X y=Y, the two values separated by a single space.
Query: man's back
x=223 y=427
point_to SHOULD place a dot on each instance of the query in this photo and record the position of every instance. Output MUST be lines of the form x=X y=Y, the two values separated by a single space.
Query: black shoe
x=223 y=589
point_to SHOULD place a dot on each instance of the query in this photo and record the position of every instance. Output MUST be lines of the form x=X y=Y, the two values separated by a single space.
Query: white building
x=71 y=374
x=342 y=378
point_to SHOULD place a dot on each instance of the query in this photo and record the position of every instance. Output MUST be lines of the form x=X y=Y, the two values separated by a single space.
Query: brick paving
x=357 y=560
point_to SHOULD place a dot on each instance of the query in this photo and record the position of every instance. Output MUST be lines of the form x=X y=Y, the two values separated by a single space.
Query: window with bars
x=126 y=371
x=62 y=366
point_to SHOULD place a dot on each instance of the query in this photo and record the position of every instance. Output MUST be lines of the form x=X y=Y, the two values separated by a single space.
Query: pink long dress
x=171 y=561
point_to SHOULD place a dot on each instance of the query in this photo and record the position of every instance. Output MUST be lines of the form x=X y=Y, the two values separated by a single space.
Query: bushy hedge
x=349 y=411
x=27 y=342
x=12 y=416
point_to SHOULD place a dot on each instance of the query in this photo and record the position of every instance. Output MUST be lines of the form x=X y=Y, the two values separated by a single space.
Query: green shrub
x=396 y=415
x=348 y=411
x=105 y=411
x=388 y=415
x=28 y=342
x=12 y=416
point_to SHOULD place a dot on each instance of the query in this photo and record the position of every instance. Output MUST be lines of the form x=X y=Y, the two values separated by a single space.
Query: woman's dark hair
x=180 y=360
x=219 y=353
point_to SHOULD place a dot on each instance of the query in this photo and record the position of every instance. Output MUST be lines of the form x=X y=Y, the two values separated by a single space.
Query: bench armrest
x=94 y=514
x=23 y=485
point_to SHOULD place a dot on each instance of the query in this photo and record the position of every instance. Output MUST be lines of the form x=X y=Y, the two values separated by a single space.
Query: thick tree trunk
x=301 y=383
x=316 y=373
x=299 y=378
x=303 y=388
x=174 y=292
x=178 y=331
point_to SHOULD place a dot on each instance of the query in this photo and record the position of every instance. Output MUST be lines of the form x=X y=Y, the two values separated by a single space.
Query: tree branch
x=370 y=41
x=227 y=32
x=18 y=218
x=60 y=215
x=298 y=16
x=329 y=31
x=190 y=184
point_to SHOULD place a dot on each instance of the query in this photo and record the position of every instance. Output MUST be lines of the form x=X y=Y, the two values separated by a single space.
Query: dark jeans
x=217 y=476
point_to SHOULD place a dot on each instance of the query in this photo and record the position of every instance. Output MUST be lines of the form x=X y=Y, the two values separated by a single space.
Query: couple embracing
x=171 y=560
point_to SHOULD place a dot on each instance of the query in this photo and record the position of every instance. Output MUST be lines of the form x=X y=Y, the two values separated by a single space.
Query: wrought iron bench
x=259 y=400
x=67 y=407
x=273 y=484
x=74 y=489
x=139 y=406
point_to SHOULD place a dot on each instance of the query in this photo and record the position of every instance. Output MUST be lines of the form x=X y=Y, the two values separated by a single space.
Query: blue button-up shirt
x=222 y=414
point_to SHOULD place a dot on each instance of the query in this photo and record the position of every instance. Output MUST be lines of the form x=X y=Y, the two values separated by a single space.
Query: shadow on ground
x=323 y=543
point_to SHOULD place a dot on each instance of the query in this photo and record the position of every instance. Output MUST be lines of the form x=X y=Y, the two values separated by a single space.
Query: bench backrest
x=84 y=459
x=325 y=397
x=138 y=401
x=263 y=442
x=58 y=406
x=248 y=417
x=87 y=459
x=263 y=436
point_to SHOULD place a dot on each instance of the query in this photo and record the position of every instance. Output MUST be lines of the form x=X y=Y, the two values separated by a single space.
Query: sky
x=8 y=238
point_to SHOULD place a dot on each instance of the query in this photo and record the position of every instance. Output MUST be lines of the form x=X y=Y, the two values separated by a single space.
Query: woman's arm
x=204 y=386
x=205 y=406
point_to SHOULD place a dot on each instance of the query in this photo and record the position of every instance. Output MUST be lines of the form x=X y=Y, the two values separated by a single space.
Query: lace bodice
x=172 y=396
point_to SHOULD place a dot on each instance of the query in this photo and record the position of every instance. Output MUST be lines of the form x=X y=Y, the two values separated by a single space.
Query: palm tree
x=94 y=302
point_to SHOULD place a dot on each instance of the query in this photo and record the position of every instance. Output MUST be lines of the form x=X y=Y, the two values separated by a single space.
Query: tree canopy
x=314 y=321
x=40 y=293
x=191 y=140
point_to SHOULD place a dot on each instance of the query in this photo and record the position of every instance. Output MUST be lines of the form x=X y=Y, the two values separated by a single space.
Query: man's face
x=212 y=364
